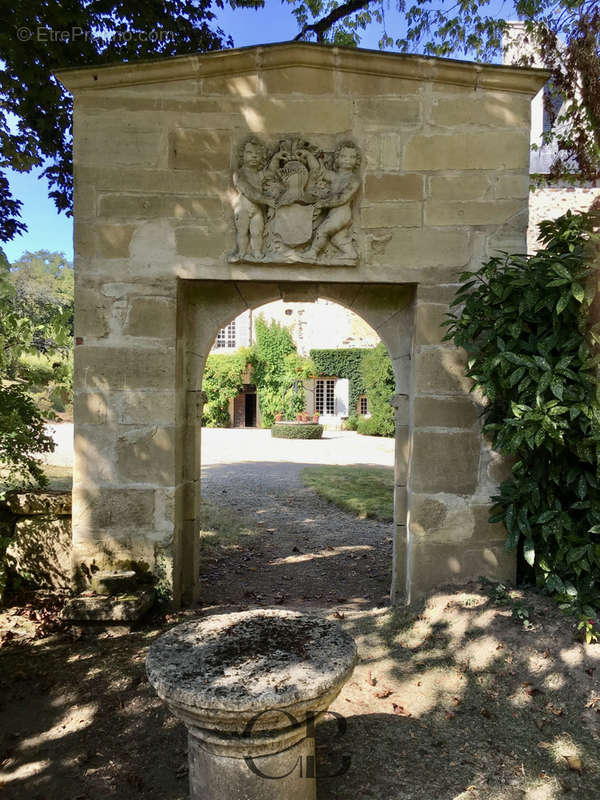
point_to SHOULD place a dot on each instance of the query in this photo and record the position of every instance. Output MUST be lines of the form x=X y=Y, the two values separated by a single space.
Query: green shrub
x=351 y=424
x=223 y=379
x=378 y=379
x=533 y=353
x=278 y=372
x=303 y=430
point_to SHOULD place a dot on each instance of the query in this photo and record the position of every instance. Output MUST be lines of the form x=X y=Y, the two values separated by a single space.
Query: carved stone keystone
x=249 y=687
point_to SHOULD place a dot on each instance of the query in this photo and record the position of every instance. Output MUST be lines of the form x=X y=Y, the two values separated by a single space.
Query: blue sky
x=49 y=230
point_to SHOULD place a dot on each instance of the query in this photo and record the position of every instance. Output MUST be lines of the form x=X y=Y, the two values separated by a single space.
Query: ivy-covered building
x=333 y=336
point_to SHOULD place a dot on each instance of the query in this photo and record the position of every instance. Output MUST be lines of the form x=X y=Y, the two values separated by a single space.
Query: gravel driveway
x=304 y=550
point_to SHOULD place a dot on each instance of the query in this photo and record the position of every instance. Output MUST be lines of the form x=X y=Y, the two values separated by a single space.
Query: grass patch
x=60 y=479
x=223 y=529
x=367 y=492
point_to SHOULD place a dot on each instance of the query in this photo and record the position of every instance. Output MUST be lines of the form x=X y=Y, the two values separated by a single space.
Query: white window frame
x=325 y=399
x=226 y=337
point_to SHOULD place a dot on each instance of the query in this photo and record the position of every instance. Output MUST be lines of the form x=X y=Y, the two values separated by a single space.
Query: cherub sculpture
x=341 y=185
x=254 y=183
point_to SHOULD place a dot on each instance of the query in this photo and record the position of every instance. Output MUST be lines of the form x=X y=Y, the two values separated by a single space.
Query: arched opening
x=208 y=310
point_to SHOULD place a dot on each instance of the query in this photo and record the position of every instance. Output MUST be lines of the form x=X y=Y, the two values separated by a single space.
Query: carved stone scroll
x=294 y=203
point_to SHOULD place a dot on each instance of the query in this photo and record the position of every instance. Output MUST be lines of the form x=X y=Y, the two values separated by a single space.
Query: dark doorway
x=244 y=407
x=250 y=410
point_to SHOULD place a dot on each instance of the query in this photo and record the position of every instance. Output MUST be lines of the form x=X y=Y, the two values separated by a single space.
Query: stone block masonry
x=384 y=177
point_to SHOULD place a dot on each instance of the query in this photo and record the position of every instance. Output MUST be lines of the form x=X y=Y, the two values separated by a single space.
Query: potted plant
x=316 y=416
x=279 y=416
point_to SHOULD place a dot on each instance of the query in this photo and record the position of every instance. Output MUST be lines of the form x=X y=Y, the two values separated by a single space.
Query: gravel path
x=302 y=550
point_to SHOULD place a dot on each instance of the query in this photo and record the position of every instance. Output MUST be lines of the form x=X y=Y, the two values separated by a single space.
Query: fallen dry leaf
x=383 y=693
x=371 y=680
x=574 y=763
x=400 y=710
x=456 y=701
x=338 y=614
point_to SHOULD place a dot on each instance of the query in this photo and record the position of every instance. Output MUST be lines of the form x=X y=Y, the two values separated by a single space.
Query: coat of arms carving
x=294 y=203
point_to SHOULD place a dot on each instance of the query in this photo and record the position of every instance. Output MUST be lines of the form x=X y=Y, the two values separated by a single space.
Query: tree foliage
x=36 y=316
x=223 y=380
x=564 y=36
x=43 y=38
x=278 y=372
x=530 y=327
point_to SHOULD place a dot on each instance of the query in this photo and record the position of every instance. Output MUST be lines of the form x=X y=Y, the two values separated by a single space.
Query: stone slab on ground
x=129 y=608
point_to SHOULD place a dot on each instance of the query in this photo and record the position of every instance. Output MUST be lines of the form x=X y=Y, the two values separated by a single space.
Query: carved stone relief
x=294 y=203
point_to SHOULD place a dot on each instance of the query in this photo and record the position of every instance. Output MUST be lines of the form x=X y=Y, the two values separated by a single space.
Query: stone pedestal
x=250 y=688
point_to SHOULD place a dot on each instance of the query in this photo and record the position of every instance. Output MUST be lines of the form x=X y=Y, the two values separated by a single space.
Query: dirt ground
x=454 y=700
x=478 y=693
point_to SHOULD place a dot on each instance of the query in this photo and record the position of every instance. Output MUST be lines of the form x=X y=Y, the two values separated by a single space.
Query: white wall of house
x=318 y=325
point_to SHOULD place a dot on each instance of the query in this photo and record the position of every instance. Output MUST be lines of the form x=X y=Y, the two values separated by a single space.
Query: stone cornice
x=301 y=54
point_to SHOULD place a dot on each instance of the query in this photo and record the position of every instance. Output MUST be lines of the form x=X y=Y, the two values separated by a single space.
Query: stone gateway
x=209 y=184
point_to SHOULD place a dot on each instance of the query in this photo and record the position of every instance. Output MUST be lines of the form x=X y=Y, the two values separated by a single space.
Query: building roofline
x=280 y=55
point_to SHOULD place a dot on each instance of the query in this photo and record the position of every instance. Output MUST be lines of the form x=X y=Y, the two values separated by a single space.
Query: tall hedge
x=533 y=344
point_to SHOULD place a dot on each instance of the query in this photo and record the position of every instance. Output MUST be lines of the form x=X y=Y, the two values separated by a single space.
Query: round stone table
x=249 y=687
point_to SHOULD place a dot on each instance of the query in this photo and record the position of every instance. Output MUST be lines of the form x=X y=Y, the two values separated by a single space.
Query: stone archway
x=209 y=306
x=237 y=176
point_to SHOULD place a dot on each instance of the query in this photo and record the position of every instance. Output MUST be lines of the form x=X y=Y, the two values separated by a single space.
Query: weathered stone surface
x=234 y=85
x=108 y=583
x=482 y=529
x=445 y=462
x=151 y=316
x=147 y=455
x=97 y=507
x=146 y=206
x=129 y=145
x=441 y=370
x=467 y=150
x=41 y=550
x=127 y=608
x=492 y=212
x=495 y=109
x=49 y=503
x=230 y=672
x=199 y=149
x=441 y=518
x=428 y=323
x=317 y=115
x=383 y=188
x=143 y=407
x=437 y=564
x=512 y=185
x=463 y=187
x=446 y=412
x=408 y=215
x=123 y=368
x=92 y=312
x=298 y=80
x=430 y=248
x=376 y=112
x=202 y=242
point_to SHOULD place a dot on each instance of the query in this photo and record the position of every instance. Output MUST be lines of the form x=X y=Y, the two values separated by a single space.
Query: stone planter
x=249 y=687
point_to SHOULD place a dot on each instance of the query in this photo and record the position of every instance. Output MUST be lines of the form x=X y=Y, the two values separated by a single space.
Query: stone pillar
x=250 y=687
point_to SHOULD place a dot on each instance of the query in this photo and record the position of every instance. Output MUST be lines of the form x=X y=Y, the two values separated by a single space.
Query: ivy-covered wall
x=343 y=364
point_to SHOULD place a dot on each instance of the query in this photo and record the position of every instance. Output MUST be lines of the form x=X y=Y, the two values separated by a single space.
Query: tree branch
x=321 y=26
